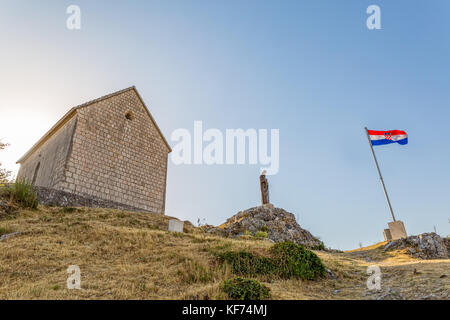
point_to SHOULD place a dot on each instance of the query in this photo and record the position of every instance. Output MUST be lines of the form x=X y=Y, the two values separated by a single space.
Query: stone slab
x=387 y=235
x=397 y=230
x=176 y=225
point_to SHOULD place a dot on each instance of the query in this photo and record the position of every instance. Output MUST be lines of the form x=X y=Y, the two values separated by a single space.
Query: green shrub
x=245 y=289
x=246 y=263
x=261 y=234
x=287 y=260
x=294 y=260
x=3 y=190
x=23 y=194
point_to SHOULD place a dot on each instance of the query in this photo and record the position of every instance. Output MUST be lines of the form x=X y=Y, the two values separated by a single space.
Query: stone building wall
x=117 y=154
x=45 y=166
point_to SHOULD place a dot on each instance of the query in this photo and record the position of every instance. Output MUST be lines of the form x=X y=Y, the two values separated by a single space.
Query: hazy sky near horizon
x=311 y=69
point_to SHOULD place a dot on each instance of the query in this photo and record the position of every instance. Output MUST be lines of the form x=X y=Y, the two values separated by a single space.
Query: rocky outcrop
x=423 y=246
x=279 y=225
x=447 y=244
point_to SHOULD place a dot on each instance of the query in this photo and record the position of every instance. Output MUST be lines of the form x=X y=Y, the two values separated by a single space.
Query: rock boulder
x=422 y=246
x=279 y=225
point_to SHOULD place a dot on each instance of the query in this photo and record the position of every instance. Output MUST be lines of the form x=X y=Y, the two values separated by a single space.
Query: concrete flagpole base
x=396 y=231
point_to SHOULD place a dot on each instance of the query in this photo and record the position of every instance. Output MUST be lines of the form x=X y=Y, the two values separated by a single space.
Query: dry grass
x=125 y=255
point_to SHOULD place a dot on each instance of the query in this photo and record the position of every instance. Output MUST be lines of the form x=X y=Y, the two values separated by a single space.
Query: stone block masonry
x=109 y=149
x=387 y=235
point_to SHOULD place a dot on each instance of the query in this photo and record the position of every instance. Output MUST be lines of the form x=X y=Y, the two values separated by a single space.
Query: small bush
x=261 y=234
x=245 y=289
x=320 y=247
x=3 y=191
x=286 y=260
x=23 y=194
x=294 y=260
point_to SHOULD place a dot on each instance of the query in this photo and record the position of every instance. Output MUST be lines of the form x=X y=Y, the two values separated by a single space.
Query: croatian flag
x=385 y=137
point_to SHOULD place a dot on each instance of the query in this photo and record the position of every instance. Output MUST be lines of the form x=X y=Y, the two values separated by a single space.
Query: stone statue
x=264 y=188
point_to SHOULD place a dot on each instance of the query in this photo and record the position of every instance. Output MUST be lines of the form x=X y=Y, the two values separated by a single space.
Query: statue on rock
x=264 y=188
x=279 y=224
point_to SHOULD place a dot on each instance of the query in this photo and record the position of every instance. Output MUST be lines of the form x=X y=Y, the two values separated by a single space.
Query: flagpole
x=379 y=173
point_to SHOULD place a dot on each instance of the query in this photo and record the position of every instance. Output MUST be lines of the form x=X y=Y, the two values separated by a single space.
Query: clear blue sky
x=311 y=69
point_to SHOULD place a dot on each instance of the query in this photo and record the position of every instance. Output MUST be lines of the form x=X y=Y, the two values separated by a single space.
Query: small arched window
x=129 y=115
x=36 y=173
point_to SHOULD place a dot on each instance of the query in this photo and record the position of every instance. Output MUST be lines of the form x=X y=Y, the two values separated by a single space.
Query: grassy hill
x=127 y=255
